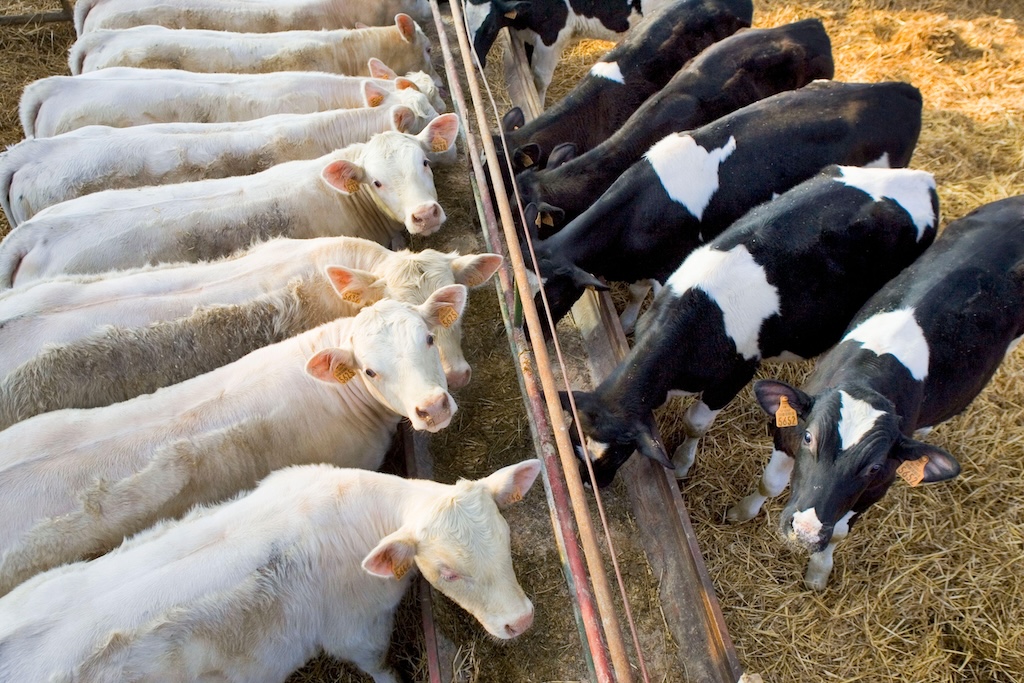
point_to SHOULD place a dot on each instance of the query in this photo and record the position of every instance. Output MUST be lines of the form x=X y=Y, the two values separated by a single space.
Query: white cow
x=39 y=172
x=315 y=558
x=123 y=96
x=370 y=190
x=403 y=46
x=262 y=16
x=73 y=483
x=58 y=351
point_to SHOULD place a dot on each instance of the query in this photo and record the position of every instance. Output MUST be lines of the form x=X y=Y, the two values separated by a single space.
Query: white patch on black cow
x=896 y=333
x=856 y=418
x=1013 y=345
x=597 y=449
x=880 y=162
x=910 y=189
x=806 y=526
x=738 y=285
x=687 y=171
x=476 y=15
x=609 y=70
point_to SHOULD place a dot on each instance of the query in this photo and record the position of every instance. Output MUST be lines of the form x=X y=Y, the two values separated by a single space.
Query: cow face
x=393 y=354
x=485 y=18
x=461 y=545
x=423 y=81
x=414 y=35
x=847 y=447
x=406 y=93
x=562 y=280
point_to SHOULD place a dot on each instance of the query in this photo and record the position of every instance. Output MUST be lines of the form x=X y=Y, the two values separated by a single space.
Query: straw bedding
x=928 y=587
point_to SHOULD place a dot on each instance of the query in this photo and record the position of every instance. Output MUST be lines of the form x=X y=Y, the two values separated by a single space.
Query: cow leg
x=819 y=566
x=545 y=59
x=773 y=482
x=366 y=647
x=638 y=293
x=696 y=422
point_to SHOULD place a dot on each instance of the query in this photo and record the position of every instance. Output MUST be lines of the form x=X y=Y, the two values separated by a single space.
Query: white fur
x=738 y=285
x=806 y=526
x=897 y=333
x=596 y=449
x=475 y=16
x=773 y=482
x=609 y=70
x=688 y=172
x=880 y=162
x=908 y=188
x=250 y=589
x=856 y=418
x=819 y=565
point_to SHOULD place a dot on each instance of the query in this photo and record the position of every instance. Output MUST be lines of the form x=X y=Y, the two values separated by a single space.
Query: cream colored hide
x=123 y=96
x=262 y=16
x=314 y=558
x=370 y=190
x=39 y=172
x=341 y=274
x=73 y=483
x=403 y=46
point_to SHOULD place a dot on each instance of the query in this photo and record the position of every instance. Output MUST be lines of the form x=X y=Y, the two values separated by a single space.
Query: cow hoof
x=684 y=456
x=816 y=583
x=740 y=512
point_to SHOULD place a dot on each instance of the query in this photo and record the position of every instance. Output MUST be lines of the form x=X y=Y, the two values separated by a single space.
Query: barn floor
x=928 y=587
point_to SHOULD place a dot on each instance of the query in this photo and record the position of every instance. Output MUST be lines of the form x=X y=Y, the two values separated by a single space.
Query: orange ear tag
x=527 y=161
x=439 y=144
x=515 y=496
x=511 y=14
x=376 y=100
x=343 y=373
x=447 y=316
x=912 y=471
x=351 y=185
x=546 y=219
x=352 y=297
x=785 y=416
x=402 y=569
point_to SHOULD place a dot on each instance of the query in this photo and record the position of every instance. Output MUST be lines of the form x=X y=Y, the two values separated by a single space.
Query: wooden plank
x=66 y=14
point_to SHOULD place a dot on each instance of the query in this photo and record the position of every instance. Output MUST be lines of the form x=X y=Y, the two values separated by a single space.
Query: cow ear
x=582 y=279
x=394 y=556
x=561 y=154
x=360 y=24
x=550 y=216
x=402 y=83
x=402 y=118
x=514 y=119
x=373 y=94
x=650 y=446
x=509 y=484
x=358 y=287
x=531 y=212
x=332 y=365
x=343 y=176
x=379 y=69
x=444 y=306
x=440 y=134
x=406 y=26
x=769 y=393
x=473 y=270
x=526 y=156
x=932 y=463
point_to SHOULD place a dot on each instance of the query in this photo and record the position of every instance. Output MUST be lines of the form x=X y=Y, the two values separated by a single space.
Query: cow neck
x=341 y=127
x=356 y=46
x=375 y=220
x=641 y=382
x=590 y=233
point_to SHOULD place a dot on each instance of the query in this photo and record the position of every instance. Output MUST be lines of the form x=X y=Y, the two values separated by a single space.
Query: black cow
x=689 y=187
x=734 y=72
x=781 y=282
x=915 y=355
x=626 y=76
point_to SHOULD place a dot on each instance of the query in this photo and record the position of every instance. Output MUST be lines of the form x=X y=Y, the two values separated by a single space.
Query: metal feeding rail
x=66 y=14
x=686 y=594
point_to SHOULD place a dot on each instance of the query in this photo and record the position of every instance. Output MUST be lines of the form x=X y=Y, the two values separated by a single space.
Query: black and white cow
x=623 y=78
x=915 y=355
x=782 y=282
x=738 y=70
x=690 y=186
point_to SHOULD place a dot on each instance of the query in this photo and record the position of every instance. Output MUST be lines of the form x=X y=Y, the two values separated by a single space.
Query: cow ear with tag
x=357 y=287
x=402 y=118
x=549 y=218
x=373 y=94
x=394 y=556
x=333 y=366
x=402 y=83
x=445 y=306
x=406 y=26
x=379 y=69
x=561 y=154
x=514 y=119
x=473 y=270
x=439 y=135
x=778 y=399
x=526 y=156
x=923 y=463
x=509 y=484
x=343 y=176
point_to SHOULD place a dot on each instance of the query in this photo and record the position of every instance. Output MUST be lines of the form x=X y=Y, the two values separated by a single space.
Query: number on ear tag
x=785 y=416
x=351 y=296
x=351 y=185
x=402 y=569
x=439 y=144
x=447 y=316
x=376 y=100
x=514 y=497
x=912 y=471
x=343 y=373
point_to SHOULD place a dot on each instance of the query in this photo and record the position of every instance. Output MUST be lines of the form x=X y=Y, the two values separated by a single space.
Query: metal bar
x=36 y=18
x=588 y=538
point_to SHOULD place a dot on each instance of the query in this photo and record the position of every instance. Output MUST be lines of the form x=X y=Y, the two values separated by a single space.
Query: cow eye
x=426 y=164
x=430 y=340
x=370 y=373
x=872 y=470
x=807 y=438
x=377 y=183
x=449 y=575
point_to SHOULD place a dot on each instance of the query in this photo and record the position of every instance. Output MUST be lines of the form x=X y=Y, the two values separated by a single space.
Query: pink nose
x=459 y=378
x=427 y=218
x=436 y=412
x=520 y=625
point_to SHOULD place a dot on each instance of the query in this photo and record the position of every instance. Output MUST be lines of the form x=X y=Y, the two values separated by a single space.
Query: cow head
x=392 y=353
x=377 y=95
x=412 y=277
x=612 y=435
x=421 y=79
x=563 y=281
x=461 y=544
x=847 y=446
x=411 y=33
x=485 y=18
x=395 y=169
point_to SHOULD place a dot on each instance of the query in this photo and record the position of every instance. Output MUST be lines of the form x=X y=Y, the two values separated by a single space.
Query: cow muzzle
x=425 y=219
x=804 y=529
x=434 y=414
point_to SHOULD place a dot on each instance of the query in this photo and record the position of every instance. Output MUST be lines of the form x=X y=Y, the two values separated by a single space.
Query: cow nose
x=435 y=413
x=426 y=218
x=459 y=378
x=520 y=625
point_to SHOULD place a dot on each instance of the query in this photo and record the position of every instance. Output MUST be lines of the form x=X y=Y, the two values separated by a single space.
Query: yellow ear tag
x=351 y=185
x=511 y=14
x=785 y=416
x=402 y=569
x=912 y=471
x=546 y=219
x=527 y=161
x=514 y=497
x=447 y=316
x=351 y=296
x=376 y=100
x=343 y=373
x=439 y=144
